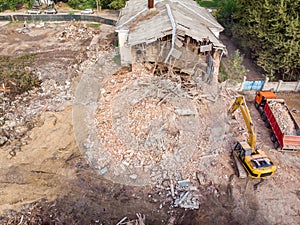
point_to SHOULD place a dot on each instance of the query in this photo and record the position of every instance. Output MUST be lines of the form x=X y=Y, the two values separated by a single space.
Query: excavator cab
x=243 y=149
x=255 y=164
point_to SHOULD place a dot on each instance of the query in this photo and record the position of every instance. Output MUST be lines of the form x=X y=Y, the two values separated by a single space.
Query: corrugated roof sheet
x=146 y=25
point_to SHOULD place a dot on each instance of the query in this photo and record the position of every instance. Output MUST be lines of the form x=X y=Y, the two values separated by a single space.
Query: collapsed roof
x=168 y=17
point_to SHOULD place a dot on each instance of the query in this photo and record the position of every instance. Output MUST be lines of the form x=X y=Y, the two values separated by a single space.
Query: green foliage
x=29 y=4
x=14 y=75
x=225 y=12
x=82 y=4
x=117 y=4
x=117 y=59
x=236 y=69
x=13 y=4
x=271 y=30
x=104 y=4
x=208 y=3
x=222 y=73
x=93 y=24
x=75 y=4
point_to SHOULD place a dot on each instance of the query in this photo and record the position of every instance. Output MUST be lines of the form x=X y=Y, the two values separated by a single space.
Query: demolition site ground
x=97 y=143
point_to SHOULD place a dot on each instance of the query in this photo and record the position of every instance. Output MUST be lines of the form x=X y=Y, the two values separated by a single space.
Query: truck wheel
x=273 y=138
x=267 y=124
x=276 y=145
x=263 y=116
x=260 y=110
x=256 y=105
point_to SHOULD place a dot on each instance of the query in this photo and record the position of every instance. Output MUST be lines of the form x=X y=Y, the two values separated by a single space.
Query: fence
x=57 y=18
x=253 y=85
x=264 y=85
x=5 y=18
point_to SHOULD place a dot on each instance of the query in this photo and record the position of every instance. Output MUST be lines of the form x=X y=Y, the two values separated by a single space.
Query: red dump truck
x=277 y=116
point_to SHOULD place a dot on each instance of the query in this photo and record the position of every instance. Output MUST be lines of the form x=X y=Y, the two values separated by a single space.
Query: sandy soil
x=49 y=181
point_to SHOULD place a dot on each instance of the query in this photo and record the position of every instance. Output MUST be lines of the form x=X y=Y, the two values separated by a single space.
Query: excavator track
x=240 y=169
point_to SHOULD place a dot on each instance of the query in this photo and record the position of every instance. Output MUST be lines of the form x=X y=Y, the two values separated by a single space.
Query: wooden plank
x=176 y=53
x=206 y=48
x=178 y=43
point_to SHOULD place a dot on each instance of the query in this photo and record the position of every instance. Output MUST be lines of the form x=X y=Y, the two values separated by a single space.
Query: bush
x=14 y=75
x=104 y=4
x=208 y=3
x=237 y=70
x=82 y=4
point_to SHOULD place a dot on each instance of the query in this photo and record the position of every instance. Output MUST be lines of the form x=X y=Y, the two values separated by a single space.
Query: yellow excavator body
x=256 y=162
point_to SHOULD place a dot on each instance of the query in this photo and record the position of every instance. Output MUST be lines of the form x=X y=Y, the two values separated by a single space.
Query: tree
x=117 y=4
x=236 y=69
x=12 y=4
x=99 y=4
x=226 y=10
x=270 y=29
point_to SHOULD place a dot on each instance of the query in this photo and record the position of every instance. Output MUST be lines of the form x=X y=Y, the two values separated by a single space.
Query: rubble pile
x=153 y=124
x=76 y=31
x=283 y=117
x=184 y=193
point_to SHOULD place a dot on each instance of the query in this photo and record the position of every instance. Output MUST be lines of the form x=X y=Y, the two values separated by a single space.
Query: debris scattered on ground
x=76 y=31
x=139 y=221
x=20 y=113
x=184 y=193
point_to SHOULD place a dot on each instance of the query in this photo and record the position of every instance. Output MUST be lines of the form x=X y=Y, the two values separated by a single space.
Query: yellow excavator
x=250 y=160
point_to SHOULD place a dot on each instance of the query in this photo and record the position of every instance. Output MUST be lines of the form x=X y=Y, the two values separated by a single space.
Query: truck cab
x=263 y=95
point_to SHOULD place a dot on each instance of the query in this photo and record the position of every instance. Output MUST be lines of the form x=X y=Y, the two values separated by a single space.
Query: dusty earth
x=49 y=178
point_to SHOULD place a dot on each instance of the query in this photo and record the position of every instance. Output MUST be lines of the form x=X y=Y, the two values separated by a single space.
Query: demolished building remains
x=178 y=34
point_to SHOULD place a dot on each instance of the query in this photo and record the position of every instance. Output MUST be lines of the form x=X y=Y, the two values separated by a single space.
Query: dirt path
x=253 y=71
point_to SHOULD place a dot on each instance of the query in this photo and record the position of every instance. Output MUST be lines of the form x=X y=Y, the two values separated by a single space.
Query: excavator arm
x=241 y=103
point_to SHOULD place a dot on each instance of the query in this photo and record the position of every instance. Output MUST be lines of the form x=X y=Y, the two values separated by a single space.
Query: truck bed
x=283 y=124
x=283 y=117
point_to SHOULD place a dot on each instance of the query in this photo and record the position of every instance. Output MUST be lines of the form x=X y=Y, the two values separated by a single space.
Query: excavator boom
x=241 y=103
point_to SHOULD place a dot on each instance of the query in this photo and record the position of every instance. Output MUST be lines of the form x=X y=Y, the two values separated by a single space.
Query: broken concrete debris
x=139 y=221
x=75 y=31
x=186 y=195
x=147 y=121
x=180 y=193
x=3 y=140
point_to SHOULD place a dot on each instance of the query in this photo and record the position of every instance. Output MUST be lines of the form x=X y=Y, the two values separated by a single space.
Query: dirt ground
x=49 y=180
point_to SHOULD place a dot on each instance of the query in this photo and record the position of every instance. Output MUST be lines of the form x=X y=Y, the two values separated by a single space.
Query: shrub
x=15 y=76
x=237 y=70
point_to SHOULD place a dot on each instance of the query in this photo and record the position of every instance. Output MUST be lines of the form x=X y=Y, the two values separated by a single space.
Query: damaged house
x=175 y=33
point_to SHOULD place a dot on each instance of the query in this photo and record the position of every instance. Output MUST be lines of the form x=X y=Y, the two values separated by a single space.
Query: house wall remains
x=125 y=50
x=188 y=58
